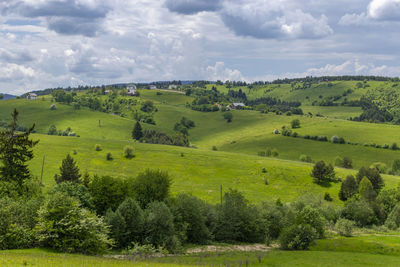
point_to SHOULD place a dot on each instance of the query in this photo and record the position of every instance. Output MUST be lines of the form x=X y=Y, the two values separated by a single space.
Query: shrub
x=228 y=116
x=394 y=146
x=275 y=152
x=97 y=147
x=52 y=130
x=347 y=163
x=359 y=211
x=77 y=191
x=373 y=175
x=268 y=152
x=338 y=161
x=295 y=123
x=214 y=148
x=305 y=158
x=63 y=226
x=366 y=190
x=337 y=140
x=276 y=131
x=328 y=197
x=380 y=166
x=396 y=166
x=53 y=107
x=393 y=220
x=297 y=237
x=109 y=156
x=344 y=227
x=310 y=216
x=128 y=152
x=151 y=185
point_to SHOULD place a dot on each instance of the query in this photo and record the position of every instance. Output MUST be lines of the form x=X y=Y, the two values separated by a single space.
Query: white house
x=31 y=96
x=152 y=86
x=131 y=89
x=172 y=86
x=237 y=105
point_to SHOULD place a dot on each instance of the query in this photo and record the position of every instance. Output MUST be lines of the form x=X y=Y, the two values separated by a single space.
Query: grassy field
x=40 y=257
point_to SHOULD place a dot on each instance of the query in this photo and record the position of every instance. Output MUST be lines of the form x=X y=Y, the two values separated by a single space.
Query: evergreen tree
x=373 y=175
x=69 y=171
x=15 y=151
x=366 y=190
x=348 y=188
x=137 y=131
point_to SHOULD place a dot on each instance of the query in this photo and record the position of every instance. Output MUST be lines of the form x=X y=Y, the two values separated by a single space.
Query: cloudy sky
x=49 y=43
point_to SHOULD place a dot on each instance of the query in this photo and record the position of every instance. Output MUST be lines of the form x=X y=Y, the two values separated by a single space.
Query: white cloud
x=266 y=19
x=222 y=73
x=377 y=11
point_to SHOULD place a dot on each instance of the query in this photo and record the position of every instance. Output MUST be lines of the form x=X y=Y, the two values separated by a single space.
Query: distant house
x=31 y=96
x=238 y=105
x=107 y=92
x=173 y=86
x=152 y=86
x=131 y=90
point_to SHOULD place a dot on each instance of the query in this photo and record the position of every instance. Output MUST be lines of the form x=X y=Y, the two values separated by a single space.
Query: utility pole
x=41 y=175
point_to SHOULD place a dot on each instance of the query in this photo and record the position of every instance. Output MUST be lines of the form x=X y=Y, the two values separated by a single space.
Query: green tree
x=1 y=96
x=348 y=188
x=373 y=175
x=393 y=220
x=396 y=166
x=366 y=190
x=64 y=226
x=228 y=116
x=160 y=229
x=312 y=217
x=323 y=172
x=69 y=171
x=297 y=237
x=137 y=132
x=127 y=223
x=15 y=151
x=190 y=219
x=295 y=123
x=107 y=192
x=151 y=185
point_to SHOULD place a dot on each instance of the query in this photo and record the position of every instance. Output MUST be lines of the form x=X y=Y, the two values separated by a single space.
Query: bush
x=393 y=220
x=109 y=156
x=128 y=152
x=52 y=130
x=380 y=166
x=337 y=140
x=347 y=163
x=214 y=148
x=360 y=212
x=297 y=237
x=305 y=158
x=53 y=107
x=295 y=123
x=394 y=146
x=338 y=161
x=328 y=197
x=275 y=153
x=97 y=147
x=64 y=226
x=396 y=166
x=17 y=220
x=77 y=191
x=344 y=227
x=310 y=216
x=150 y=186
x=228 y=116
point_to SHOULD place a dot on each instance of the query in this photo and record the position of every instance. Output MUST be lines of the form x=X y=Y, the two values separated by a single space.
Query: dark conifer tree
x=137 y=131
x=15 y=151
x=69 y=171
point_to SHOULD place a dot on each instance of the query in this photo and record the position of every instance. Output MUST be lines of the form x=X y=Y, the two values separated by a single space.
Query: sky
x=51 y=43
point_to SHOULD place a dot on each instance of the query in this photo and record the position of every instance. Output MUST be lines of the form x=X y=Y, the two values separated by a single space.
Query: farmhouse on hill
x=172 y=86
x=131 y=90
x=237 y=105
x=31 y=96
x=152 y=86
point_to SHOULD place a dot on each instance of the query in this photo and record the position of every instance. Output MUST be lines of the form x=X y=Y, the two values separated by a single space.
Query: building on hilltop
x=238 y=105
x=131 y=89
x=173 y=86
x=31 y=96
x=152 y=86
